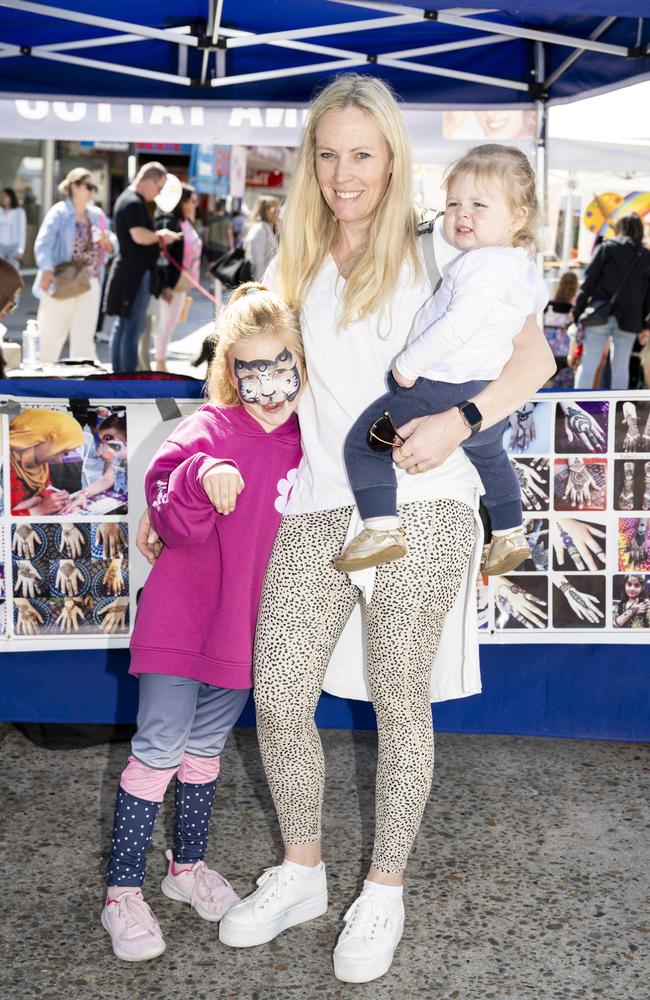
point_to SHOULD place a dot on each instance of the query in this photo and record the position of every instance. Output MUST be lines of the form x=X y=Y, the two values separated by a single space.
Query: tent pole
x=541 y=158
x=47 y=147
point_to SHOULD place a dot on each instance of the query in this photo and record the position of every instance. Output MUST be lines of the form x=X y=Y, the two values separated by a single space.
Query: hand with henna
x=115 y=620
x=72 y=541
x=70 y=616
x=531 y=483
x=639 y=544
x=520 y=605
x=580 y=483
x=29 y=618
x=111 y=537
x=68 y=577
x=580 y=541
x=632 y=441
x=522 y=428
x=25 y=541
x=626 y=496
x=113 y=580
x=579 y=425
x=585 y=606
x=28 y=578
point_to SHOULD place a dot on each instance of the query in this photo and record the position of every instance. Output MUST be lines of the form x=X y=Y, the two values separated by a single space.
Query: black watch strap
x=471 y=415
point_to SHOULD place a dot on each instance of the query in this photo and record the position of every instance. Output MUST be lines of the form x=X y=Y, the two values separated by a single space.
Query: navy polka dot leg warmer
x=191 y=820
x=132 y=830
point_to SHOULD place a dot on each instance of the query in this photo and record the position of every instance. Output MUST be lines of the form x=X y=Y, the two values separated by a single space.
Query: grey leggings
x=305 y=605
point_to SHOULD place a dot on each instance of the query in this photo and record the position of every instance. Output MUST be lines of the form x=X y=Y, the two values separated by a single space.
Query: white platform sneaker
x=284 y=898
x=374 y=925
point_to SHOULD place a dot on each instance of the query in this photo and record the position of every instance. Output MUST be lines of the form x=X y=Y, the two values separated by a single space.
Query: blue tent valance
x=279 y=50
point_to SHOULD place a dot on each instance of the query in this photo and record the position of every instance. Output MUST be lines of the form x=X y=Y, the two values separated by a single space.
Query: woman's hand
x=147 y=539
x=580 y=540
x=429 y=441
x=405 y=383
x=222 y=487
x=47 y=277
x=167 y=236
x=72 y=540
x=68 y=577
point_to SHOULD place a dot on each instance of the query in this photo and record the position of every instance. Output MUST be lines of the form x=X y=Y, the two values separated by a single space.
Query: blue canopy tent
x=276 y=51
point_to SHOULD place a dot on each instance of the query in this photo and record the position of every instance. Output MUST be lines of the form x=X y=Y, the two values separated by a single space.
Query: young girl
x=461 y=339
x=216 y=490
x=633 y=609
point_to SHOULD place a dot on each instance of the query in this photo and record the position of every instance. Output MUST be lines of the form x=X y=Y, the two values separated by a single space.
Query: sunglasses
x=88 y=186
x=382 y=435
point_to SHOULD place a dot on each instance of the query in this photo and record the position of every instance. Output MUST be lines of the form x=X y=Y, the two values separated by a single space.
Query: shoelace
x=207 y=883
x=136 y=914
x=365 y=916
x=271 y=884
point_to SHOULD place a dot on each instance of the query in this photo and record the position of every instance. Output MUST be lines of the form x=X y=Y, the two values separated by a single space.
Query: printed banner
x=72 y=491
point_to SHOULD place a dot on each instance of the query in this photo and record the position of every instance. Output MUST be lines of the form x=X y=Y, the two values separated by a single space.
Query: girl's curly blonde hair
x=252 y=310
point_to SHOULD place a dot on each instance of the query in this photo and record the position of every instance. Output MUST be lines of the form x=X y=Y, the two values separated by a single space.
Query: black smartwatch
x=471 y=415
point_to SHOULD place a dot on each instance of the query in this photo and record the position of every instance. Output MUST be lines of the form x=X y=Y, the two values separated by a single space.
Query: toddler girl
x=461 y=340
x=215 y=490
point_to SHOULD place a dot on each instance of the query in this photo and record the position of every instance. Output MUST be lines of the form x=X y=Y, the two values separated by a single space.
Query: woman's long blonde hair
x=309 y=228
x=252 y=310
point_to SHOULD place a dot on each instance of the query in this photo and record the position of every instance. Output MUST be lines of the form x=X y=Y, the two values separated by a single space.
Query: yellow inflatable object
x=601 y=214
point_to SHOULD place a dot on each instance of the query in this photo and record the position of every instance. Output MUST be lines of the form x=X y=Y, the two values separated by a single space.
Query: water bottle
x=31 y=346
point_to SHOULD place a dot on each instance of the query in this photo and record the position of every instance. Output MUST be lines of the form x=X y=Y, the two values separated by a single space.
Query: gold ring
x=401 y=452
x=418 y=468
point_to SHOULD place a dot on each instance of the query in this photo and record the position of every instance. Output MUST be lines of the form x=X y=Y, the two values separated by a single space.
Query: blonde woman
x=73 y=229
x=350 y=260
x=261 y=242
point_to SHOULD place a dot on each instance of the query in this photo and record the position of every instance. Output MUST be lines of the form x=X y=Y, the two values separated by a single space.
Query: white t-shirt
x=466 y=331
x=346 y=371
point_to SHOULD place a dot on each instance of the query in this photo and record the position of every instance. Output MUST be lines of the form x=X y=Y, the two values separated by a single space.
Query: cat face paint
x=265 y=380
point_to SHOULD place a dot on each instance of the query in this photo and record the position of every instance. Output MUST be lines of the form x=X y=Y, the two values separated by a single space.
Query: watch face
x=472 y=414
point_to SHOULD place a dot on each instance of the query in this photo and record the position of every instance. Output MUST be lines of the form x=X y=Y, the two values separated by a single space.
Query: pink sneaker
x=207 y=891
x=135 y=934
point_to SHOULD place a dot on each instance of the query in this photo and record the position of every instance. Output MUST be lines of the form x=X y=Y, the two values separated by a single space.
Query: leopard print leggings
x=304 y=607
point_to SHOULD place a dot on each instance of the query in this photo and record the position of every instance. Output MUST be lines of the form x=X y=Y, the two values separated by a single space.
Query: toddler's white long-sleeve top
x=465 y=331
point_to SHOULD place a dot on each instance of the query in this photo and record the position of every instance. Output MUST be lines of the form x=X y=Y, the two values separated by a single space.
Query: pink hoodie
x=197 y=613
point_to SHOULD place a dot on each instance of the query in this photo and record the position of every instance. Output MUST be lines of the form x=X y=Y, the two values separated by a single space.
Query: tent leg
x=47 y=147
x=541 y=157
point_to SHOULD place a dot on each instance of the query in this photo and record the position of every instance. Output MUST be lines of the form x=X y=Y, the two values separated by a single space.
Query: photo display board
x=72 y=492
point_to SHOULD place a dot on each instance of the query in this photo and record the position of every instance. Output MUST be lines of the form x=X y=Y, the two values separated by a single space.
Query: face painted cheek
x=248 y=389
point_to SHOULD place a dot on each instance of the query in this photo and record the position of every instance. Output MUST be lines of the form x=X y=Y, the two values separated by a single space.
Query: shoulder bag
x=71 y=278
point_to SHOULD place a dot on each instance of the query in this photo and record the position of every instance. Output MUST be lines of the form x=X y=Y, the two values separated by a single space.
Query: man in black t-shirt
x=128 y=288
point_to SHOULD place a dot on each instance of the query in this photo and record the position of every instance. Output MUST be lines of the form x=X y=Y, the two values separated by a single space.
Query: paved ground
x=529 y=879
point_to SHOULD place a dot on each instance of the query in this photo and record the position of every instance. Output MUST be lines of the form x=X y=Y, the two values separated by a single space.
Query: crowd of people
x=89 y=265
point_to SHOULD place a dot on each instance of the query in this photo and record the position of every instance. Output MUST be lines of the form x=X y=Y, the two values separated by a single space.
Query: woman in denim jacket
x=73 y=229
